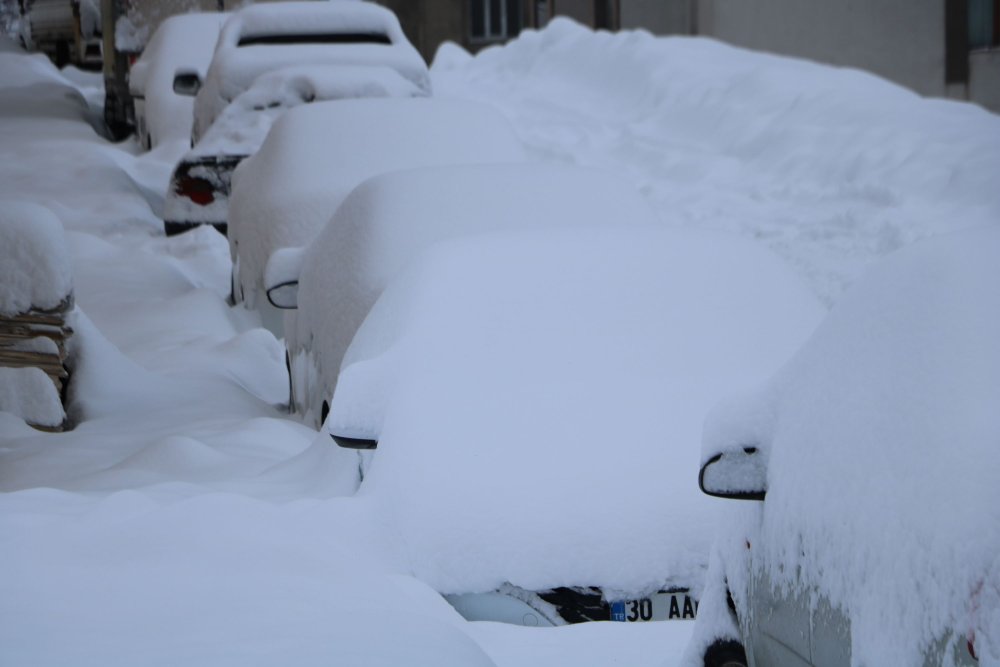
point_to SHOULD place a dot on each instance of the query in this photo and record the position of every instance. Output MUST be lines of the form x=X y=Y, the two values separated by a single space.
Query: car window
x=327 y=38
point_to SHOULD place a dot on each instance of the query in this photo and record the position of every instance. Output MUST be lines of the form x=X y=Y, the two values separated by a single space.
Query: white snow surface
x=891 y=408
x=181 y=42
x=243 y=125
x=316 y=154
x=35 y=267
x=389 y=219
x=235 y=67
x=537 y=396
x=185 y=518
x=29 y=394
x=831 y=167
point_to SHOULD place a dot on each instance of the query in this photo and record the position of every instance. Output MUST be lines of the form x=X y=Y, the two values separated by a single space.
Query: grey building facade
x=940 y=48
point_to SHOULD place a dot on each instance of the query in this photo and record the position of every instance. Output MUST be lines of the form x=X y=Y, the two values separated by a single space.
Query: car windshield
x=325 y=38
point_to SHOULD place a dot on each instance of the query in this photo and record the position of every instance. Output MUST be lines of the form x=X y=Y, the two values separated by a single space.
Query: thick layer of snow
x=316 y=154
x=235 y=67
x=31 y=395
x=537 y=397
x=243 y=125
x=35 y=264
x=185 y=517
x=891 y=408
x=181 y=42
x=831 y=167
x=389 y=219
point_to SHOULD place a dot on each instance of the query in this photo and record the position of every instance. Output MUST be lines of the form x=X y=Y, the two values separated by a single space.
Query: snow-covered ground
x=187 y=519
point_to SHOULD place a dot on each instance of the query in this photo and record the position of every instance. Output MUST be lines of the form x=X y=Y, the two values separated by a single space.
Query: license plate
x=658 y=607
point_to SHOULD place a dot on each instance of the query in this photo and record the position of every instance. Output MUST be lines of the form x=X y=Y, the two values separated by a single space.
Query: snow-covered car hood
x=538 y=399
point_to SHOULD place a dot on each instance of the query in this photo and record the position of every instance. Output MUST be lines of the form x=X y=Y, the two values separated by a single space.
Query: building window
x=495 y=19
x=984 y=24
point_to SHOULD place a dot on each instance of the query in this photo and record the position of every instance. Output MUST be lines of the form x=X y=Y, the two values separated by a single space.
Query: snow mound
x=35 y=264
x=832 y=167
x=31 y=395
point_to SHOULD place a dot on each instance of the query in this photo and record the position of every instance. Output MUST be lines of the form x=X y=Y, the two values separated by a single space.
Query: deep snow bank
x=831 y=167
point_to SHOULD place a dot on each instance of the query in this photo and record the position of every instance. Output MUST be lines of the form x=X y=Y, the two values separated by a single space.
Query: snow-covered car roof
x=243 y=125
x=883 y=438
x=392 y=217
x=538 y=398
x=316 y=154
x=269 y=36
x=184 y=41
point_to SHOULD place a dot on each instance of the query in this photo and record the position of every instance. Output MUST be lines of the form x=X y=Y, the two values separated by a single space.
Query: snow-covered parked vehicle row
x=535 y=396
x=36 y=296
x=181 y=44
x=875 y=453
x=325 y=50
x=315 y=155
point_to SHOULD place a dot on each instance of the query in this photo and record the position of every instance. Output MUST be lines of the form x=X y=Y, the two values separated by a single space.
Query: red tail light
x=198 y=190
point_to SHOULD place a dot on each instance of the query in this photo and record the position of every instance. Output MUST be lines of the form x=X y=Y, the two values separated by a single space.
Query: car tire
x=725 y=653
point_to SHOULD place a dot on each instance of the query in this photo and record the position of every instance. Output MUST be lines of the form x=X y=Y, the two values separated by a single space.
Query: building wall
x=661 y=17
x=579 y=10
x=901 y=40
x=984 y=79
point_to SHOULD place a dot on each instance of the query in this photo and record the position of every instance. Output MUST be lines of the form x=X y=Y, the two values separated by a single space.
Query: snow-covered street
x=188 y=518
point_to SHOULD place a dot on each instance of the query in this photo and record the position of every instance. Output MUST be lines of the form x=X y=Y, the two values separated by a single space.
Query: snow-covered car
x=390 y=218
x=316 y=154
x=200 y=185
x=325 y=48
x=875 y=454
x=535 y=397
x=182 y=43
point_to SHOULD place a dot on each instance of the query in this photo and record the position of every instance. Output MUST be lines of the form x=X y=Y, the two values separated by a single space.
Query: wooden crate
x=38 y=338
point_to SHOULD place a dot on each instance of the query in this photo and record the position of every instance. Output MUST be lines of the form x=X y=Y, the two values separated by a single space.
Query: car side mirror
x=281 y=277
x=354 y=441
x=738 y=474
x=187 y=82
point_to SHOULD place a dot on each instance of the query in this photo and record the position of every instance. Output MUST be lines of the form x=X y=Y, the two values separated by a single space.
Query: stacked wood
x=38 y=338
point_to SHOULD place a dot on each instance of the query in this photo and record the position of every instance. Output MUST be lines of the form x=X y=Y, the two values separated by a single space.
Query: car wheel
x=725 y=653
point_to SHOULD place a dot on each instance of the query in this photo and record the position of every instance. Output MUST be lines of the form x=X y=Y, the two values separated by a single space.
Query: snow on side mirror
x=187 y=82
x=281 y=277
x=738 y=474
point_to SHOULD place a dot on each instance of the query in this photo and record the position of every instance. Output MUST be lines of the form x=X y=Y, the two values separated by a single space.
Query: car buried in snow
x=181 y=43
x=868 y=468
x=271 y=57
x=316 y=154
x=516 y=396
x=390 y=218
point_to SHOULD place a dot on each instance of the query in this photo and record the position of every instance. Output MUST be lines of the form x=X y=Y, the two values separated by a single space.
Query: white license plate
x=658 y=607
